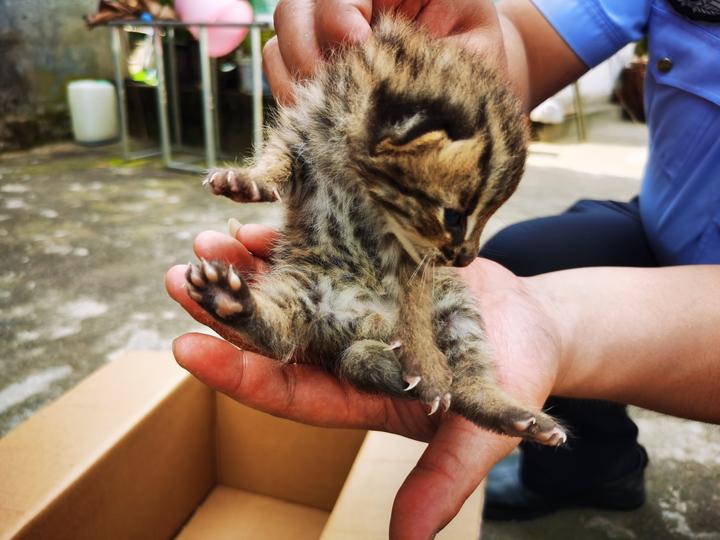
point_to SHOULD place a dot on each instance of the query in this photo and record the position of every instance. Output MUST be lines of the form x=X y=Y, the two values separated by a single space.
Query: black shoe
x=507 y=499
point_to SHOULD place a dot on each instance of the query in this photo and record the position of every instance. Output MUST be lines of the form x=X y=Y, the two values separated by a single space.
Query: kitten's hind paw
x=445 y=401
x=484 y=403
x=429 y=380
x=238 y=185
x=372 y=367
x=537 y=427
x=220 y=289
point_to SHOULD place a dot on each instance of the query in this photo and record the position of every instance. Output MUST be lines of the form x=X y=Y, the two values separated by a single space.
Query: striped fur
x=388 y=166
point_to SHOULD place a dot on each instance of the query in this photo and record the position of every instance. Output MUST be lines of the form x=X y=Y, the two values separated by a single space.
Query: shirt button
x=664 y=65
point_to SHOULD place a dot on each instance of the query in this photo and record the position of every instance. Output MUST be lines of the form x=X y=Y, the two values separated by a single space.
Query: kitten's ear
x=416 y=133
x=426 y=141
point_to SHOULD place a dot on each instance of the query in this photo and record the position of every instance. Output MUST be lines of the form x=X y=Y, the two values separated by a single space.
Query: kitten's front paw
x=237 y=184
x=430 y=378
x=220 y=289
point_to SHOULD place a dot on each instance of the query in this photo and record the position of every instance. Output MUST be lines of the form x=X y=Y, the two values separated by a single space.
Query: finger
x=298 y=392
x=408 y=8
x=259 y=239
x=214 y=246
x=342 y=22
x=279 y=79
x=469 y=24
x=457 y=459
x=295 y=28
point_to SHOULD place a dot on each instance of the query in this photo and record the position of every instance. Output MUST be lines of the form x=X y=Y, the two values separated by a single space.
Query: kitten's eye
x=453 y=218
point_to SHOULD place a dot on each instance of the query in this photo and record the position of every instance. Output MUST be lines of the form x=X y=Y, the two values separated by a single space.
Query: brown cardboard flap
x=134 y=449
x=229 y=514
x=282 y=459
x=363 y=508
x=128 y=453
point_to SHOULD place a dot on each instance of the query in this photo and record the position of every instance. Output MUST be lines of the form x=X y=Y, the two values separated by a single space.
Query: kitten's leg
x=425 y=368
x=268 y=316
x=477 y=396
x=372 y=366
x=475 y=391
x=263 y=182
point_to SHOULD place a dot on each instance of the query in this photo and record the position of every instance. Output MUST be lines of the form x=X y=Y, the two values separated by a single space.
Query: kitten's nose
x=463 y=259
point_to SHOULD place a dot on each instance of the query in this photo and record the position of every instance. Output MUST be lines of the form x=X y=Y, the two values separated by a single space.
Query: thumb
x=458 y=458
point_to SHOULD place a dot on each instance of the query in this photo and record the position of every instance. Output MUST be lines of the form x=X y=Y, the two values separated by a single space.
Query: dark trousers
x=603 y=444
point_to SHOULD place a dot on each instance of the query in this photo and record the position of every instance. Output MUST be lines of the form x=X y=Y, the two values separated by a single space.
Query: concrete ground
x=85 y=241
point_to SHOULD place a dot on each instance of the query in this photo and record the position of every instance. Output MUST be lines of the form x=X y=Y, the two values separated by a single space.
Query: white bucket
x=93 y=109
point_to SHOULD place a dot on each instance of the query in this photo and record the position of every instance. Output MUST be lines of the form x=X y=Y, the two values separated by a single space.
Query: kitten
x=389 y=165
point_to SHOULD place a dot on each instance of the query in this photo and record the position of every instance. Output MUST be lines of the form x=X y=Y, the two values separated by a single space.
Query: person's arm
x=643 y=336
x=540 y=63
x=647 y=337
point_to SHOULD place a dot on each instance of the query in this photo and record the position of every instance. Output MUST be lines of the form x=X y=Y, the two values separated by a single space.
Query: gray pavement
x=86 y=239
x=85 y=242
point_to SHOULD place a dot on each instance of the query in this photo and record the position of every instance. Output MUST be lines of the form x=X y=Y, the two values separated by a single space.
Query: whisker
x=428 y=264
x=432 y=286
x=417 y=269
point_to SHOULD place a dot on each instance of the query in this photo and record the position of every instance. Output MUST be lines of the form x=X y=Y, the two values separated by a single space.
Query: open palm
x=459 y=454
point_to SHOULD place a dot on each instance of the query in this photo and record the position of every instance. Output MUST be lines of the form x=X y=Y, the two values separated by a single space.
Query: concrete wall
x=43 y=46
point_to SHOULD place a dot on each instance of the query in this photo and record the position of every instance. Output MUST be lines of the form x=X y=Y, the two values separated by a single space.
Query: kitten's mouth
x=452 y=257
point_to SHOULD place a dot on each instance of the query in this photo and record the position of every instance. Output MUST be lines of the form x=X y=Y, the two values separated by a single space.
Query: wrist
x=563 y=323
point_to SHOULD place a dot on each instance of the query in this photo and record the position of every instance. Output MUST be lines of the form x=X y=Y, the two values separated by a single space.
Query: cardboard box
x=141 y=450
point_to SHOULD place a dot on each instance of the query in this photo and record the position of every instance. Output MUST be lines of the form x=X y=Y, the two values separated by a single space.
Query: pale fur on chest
x=348 y=303
x=338 y=219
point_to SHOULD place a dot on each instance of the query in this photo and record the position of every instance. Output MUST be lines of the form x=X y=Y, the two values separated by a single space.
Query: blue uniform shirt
x=680 y=194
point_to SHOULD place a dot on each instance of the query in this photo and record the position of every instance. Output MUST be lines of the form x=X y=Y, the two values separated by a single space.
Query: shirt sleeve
x=596 y=29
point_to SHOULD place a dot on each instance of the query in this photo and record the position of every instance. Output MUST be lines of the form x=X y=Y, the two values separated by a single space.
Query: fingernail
x=233 y=227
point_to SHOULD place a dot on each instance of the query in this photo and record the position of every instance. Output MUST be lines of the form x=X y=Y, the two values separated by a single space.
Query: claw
x=254 y=191
x=412 y=381
x=523 y=425
x=434 y=406
x=277 y=194
x=234 y=279
x=446 y=399
x=547 y=436
x=194 y=275
x=562 y=438
x=210 y=179
x=555 y=440
x=232 y=182
x=233 y=227
x=394 y=345
x=209 y=271
x=193 y=293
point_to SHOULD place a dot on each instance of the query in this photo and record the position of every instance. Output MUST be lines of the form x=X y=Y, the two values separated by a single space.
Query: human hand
x=527 y=353
x=308 y=29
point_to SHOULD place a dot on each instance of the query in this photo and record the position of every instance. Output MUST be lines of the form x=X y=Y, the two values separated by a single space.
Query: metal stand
x=117 y=53
x=257 y=90
x=208 y=89
x=174 y=85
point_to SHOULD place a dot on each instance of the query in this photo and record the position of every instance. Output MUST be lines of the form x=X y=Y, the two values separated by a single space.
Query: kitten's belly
x=347 y=304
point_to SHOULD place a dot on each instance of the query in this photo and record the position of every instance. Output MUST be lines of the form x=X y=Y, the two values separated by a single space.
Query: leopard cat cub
x=389 y=164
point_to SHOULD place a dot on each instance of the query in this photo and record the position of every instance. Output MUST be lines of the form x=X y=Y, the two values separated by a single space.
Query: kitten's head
x=440 y=169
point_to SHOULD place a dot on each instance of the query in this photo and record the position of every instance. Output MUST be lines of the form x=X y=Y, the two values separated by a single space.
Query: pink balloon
x=221 y=41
